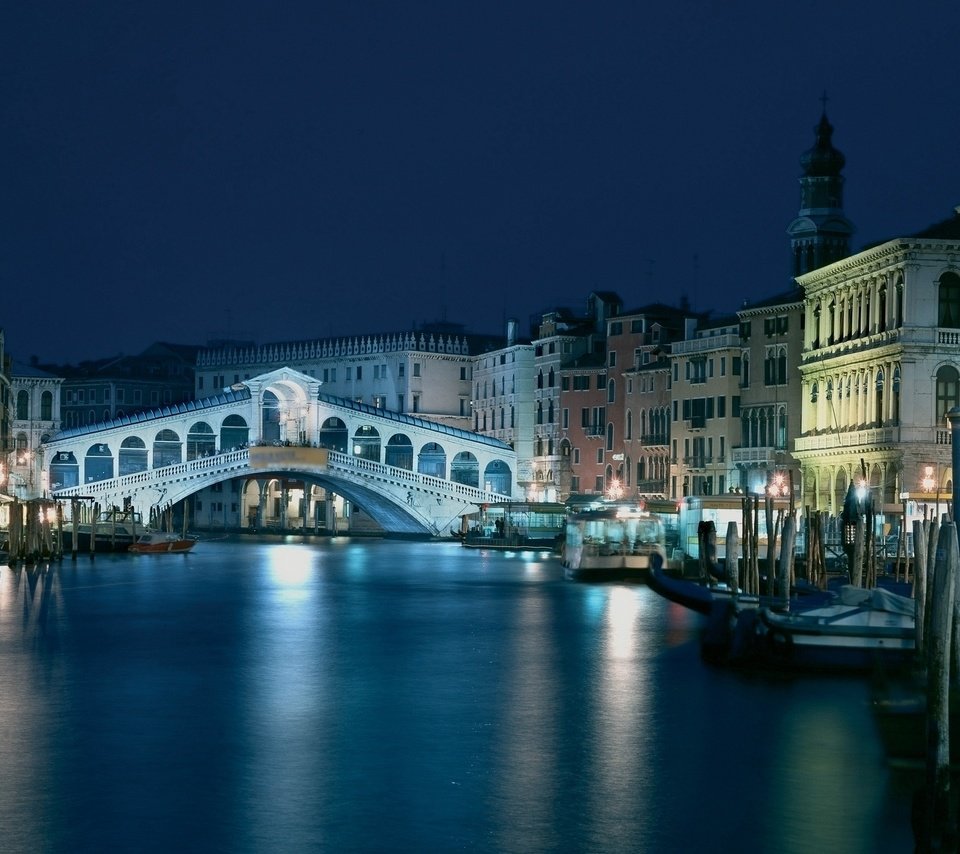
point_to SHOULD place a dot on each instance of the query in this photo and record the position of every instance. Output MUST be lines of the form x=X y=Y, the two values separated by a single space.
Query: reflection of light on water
x=527 y=769
x=823 y=758
x=620 y=718
x=621 y=623
x=291 y=568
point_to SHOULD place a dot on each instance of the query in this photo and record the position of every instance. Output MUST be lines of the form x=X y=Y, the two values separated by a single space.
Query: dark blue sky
x=184 y=171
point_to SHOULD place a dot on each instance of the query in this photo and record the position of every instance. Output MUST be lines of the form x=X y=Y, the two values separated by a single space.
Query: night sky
x=277 y=171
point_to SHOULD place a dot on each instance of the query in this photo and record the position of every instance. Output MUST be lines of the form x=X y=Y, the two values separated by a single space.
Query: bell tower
x=821 y=233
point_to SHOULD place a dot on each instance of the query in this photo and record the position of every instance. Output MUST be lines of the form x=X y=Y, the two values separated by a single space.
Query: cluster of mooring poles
x=34 y=531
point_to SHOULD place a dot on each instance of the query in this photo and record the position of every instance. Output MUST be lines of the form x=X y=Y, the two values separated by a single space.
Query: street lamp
x=615 y=490
x=928 y=482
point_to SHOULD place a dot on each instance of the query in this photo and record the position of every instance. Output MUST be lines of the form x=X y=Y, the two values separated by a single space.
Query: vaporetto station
x=409 y=474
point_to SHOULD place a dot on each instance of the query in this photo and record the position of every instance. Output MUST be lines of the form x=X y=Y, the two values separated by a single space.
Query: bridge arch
x=333 y=435
x=366 y=443
x=432 y=460
x=234 y=433
x=201 y=440
x=465 y=469
x=64 y=471
x=98 y=463
x=167 y=449
x=132 y=456
x=399 y=452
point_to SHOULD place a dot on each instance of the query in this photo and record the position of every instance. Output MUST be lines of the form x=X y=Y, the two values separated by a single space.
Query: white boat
x=114 y=531
x=856 y=630
x=613 y=543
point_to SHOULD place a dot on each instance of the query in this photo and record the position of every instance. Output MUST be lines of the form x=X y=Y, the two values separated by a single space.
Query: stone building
x=881 y=368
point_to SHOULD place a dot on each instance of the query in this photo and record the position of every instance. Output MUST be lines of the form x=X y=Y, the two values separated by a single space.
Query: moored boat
x=613 y=543
x=157 y=542
x=114 y=530
x=853 y=629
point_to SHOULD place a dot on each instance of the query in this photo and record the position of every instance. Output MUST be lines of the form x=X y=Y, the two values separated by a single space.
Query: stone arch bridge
x=412 y=475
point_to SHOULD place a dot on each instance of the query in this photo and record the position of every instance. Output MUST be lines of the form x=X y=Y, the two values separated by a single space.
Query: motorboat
x=113 y=530
x=158 y=542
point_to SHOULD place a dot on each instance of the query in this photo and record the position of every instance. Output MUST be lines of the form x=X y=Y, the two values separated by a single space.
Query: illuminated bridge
x=412 y=475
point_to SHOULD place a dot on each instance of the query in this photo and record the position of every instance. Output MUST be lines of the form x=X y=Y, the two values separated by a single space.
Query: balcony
x=754 y=456
x=649 y=439
x=851 y=439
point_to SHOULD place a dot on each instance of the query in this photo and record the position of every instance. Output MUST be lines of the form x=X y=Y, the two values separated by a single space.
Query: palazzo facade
x=880 y=369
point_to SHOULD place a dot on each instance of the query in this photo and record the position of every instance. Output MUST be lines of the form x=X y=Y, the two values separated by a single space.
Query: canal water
x=371 y=695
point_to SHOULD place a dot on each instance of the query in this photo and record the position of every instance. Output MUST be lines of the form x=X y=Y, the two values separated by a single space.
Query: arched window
x=610 y=436
x=46 y=406
x=23 y=405
x=611 y=391
x=948 y=391
x=628 y=427
x=949 y=301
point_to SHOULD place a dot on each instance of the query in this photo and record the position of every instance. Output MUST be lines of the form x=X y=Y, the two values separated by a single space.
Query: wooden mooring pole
x=939 y=820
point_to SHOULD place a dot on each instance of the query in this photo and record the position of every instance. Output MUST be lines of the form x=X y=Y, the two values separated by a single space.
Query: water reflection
x=527 y=745
x=618 y=718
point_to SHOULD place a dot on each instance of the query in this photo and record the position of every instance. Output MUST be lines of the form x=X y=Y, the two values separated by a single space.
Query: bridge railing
x=147 y=477
x=234 y=460
x=412 y=478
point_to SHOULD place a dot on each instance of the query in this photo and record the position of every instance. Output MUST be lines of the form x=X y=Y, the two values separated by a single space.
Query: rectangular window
x=416 y=369
x=416 y=403
x=359 y=372
x=137 y=395
x=599 y=455
x=616 y=327
x=349 y=373
x=566 y=419
x=565 y=383
x=585 y=417
x=598 y=484
x=575 y=484
x=120 y=392
x=735 y=406
x=723 y=366
x=576 y=456
x=400 y=369
x=612 y=359
x=721 y=407
x=463 y=372
x=601 y=380
x=333 y=375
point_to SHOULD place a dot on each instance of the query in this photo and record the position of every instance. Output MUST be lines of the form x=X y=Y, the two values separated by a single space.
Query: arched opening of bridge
x=400 y=452
x=270 y=418
x=167 y=449
x=465 y=469
x=498 y=478
x=333 y=435
x=201 y=441
x=234 y=433
x=98 y=464
x=133 y=455
x=432 y=461
x=64 y=471
x=366 y=443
